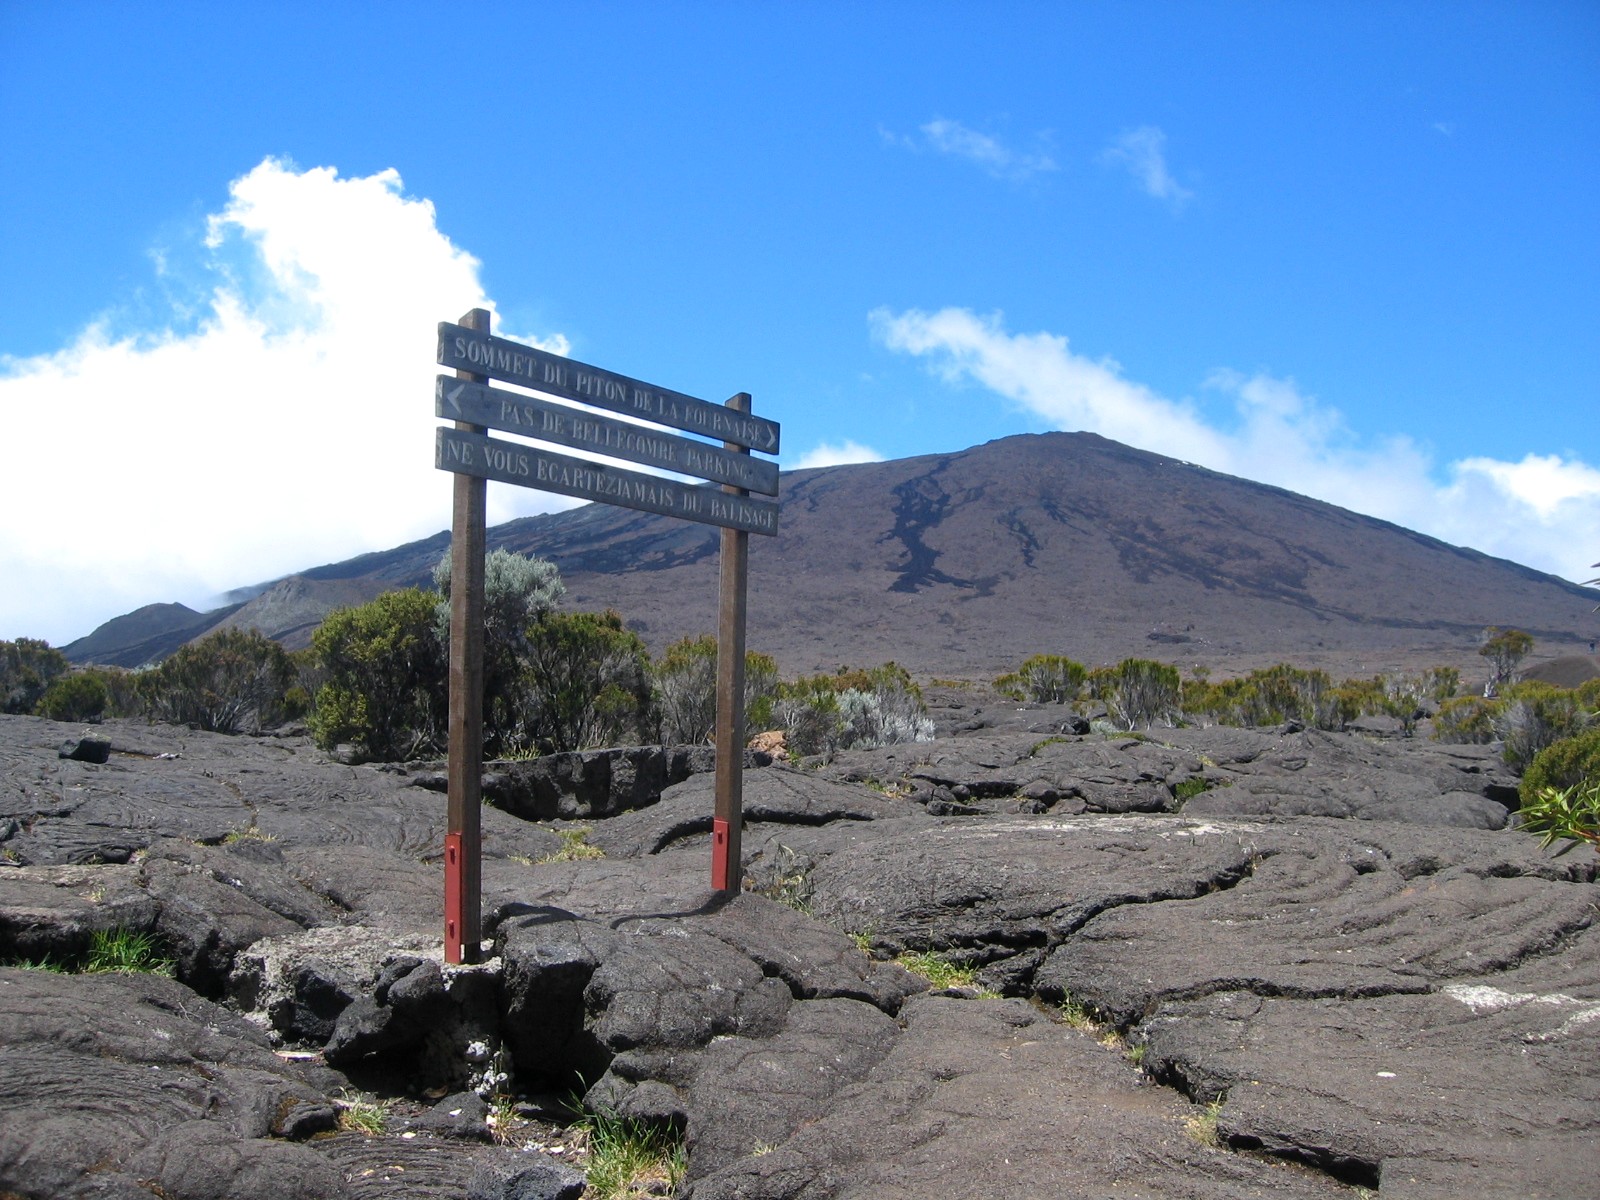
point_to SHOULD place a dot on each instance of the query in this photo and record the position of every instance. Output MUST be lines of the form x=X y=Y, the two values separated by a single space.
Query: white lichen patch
x=1483 y=999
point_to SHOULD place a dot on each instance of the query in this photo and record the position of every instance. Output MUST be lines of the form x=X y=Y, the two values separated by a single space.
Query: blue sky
x=1347 y=248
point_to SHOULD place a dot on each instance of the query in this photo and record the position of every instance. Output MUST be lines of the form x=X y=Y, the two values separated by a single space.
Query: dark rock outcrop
x=1321 y=972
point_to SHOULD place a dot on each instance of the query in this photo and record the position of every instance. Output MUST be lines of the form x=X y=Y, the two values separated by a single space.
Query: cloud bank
x=1543 y=511
x=280 y=414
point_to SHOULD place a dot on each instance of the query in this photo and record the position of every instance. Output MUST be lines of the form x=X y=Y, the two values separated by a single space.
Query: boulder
x=86 y=749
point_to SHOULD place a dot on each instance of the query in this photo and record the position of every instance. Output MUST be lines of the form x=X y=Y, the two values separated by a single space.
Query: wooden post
x=727 y=868
x=463 y=841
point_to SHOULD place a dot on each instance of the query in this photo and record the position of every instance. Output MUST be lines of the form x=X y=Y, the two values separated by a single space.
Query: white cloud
x=280 y=418
x=1143 y=151
x=1543 y=511
x=955 y=139
x=829 y=455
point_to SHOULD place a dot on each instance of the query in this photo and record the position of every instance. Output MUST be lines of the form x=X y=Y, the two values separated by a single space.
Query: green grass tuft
x=124 y=950
x=627 y=1157
x=1202 y=1126
x=1076 y=1016
x=941 y=973
x=574 y=846
x=362 y=1114
x=791 y=880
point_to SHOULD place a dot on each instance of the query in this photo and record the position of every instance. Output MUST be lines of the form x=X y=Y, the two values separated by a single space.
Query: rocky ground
x=1209 y=963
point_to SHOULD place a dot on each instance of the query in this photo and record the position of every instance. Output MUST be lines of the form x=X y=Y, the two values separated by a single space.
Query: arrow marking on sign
x=454 y=398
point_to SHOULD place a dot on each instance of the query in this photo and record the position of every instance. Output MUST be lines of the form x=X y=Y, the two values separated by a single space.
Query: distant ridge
x=145 y=635
x=962 y=564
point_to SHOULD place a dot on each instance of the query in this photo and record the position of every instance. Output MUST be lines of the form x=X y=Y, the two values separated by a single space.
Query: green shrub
x=517 y=592
x=1468 y=719
x=296 y=703
x=686 y=690
x=852 y=709
x=589 y=681
x=1141 y=692
x=1535 y=715
x=1271 y=696
x=28 y=666
x=1045 y=678
x=1403 y=694
x=1572 y=760
x=1359 y=698
x=122 y=690
x=386 y=686
x=1440 y=683
x=1505 y=649
x=812 y=723
x=81 y=696
x=220 y=682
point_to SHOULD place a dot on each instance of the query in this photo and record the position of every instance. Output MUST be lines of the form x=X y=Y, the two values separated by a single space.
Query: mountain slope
x=965 y=563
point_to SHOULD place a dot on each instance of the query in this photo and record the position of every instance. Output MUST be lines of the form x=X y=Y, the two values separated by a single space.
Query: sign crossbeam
x=530 y=466
x=581 y=429
x=500 y=358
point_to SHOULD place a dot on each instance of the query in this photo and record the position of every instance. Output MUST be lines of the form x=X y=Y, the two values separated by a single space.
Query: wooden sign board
x=474 y=458
x=466 y=349
x=581 y=429
x=530 y=466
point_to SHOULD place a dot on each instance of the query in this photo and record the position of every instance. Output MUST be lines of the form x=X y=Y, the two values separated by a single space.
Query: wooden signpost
x=474 y=458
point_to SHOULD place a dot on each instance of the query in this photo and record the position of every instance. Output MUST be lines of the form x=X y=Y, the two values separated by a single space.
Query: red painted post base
x=721 y=872
x=452 y=898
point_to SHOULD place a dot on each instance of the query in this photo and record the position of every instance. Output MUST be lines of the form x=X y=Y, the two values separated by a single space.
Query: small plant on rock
x=361 y=1114
x=1571 y=814
x=628 y=1157
x=502 y=1119
x=1202 y=1126
x=1075 y=1015
x=790 y=880
x=126 y=950
x=939 y=970
x=574 y=846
